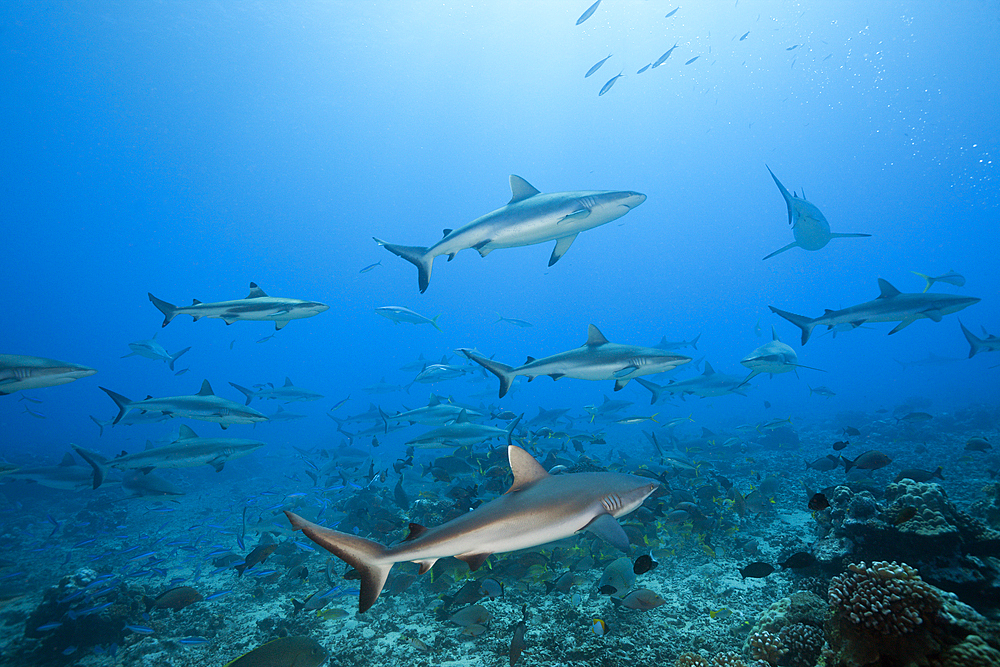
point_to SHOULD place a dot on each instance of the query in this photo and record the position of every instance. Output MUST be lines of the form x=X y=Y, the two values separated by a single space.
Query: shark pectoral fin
x=280 y=324
x=620 y=384
x=848 y=236
x=625 y=371
x=791 y=245
x=195 y=318
x=218 y=465
x=575 y=215
x=425 y=565
x=562 y=245
x=933 y=314
x=905 y=323
x=608 y=529
x=474 y=561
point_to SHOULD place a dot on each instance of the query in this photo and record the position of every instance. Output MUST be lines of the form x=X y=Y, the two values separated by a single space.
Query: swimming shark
x=665 y=344
x=151 y=349
x=397 y=314
x=707 y=385
x=987 y=343
x=529 y=217
x=287 y=392
x=809 y=226
x=67 y=476
x=435 y=413
x=890 y=306
x=774 y=357
x=537 y=509
x=188 y=451
x=257 y=306
x=18 y=371
x=462 y=432
x=204 y=405
x=597 y=359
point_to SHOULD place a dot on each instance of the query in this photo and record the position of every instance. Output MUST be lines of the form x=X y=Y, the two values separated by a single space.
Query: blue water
x=189 y=148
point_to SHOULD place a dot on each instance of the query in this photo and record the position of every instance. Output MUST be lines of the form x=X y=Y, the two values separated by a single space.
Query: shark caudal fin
x=96 y=461
x=511 y=427
x=249 y=393
x=122 y=403
x=365 y=556
x=174 y=357
x=653 y=388
x=503 y=372
x=169 y=310
x=802 y=322
x=975 y=343
x=415 y=255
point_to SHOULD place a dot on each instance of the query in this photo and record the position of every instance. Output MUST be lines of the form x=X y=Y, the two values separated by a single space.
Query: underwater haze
x=185 y=150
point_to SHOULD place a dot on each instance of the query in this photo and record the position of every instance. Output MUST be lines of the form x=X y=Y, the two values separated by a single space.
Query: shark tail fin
x=511 y=427
x=930 y=281
x=122 y=403
x=243 y=390
x=169 y=310
x=99 y=424
x=802 y=322
x=503 y=372
x=96 y=461
x=975 y=343
x=694 y=341
x=174 y=357
x=653 y=388
x=369 y=558
x=415 y=255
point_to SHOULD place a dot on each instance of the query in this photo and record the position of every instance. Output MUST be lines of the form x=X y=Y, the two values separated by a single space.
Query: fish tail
x=930 y=281
x=937 y=473
x=99 y=424
x=503 y=372
x=122 y=403
x=975 y=343
x=802 y=322
x=368 y=557
x=169 y=310
x=174 y=357
x=694 y=342
x=385 y=418
x=243 y=390
x=416 y=255
x=511 y=427
x=435 y=322
x=96 y=461
x=654 y=389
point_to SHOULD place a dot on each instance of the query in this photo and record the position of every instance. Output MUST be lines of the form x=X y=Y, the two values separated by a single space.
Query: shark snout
x=632 y=199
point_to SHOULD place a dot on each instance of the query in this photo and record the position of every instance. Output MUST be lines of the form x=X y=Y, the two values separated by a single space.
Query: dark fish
x=258 y=555
x=977 y=444
x=284 y=652
x=643 y=564
x=870 y=460
x=904 y=515
x=745 y=35
x=644 y=69
x=767 y=404
x=596 y=67
x=587 y=14
x=517 y=643
x=692 y=60
x=799 y=560
x=824 y=464
x=915 y=418
x=839 y=445
x=643 y=600
x=851 y=431
x=672 y=12
x=174 y=598
x=610 y=83
x=818 y=502
x=918 y=475
x=793 y=47
x=757 y=570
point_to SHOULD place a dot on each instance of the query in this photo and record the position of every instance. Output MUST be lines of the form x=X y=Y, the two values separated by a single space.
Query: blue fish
x=597 y=66
x=370 y=267
x=610 y=83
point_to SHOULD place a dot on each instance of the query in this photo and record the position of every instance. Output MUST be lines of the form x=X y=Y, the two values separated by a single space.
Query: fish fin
x=249 y=393
x=520 y=190
x=174 y=357
x=791 y=245
x=933 y=314
x=416 y=255
x=608 y=529
x=975 y=343
x=562 y=245
x=67 y=460
x=887 y=291
x=481 y=248
x=525 y=468
x=575 y=215
x=280 y=324
x=503 y=372
x=169 y=310
x=905 y=323
x=426 y=565
x=416 y=530
x=474 y=561
x=594 y=336
x=625 y=371
x=366 y=556
x=206 y=389
x=445 y=232
x=96 y=461
x=255 y=292
x=804 y=323
x=620 y=384
x=218 y=465
x=122 y=403
x=788 y=203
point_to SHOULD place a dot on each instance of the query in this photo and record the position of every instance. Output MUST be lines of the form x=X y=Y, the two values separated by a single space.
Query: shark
x=987 y=343
x=809 y=226
x=287 y=392
x=204 y=405
x=281 y=415
x=774 y=357
x=890 y=306
x=596 y=359
x=665 y=344
x=462 y=432
x=397 y=314
x=438 y=372
x=435 y=413
x=151 y=349
x=67 y=476
x=530 y=217
x=707 y=385
x=537 y=509
x=18 y=371
x=188 y=451
x=257 y=306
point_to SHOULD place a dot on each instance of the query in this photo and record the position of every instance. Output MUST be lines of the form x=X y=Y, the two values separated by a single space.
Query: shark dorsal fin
x=288 y=382
x=520 y=190
x=708 y=369
x=195 y=302
x=528 y=360
x=67 y=460
x=255 y=292
x=434 y=400
x=606 y=399
x=774 y=334
x=525 y=468
x=463 y=417
x=444 y=359
x=888 y=291
x=186 y=432
x=206 y=389
x=416 y=530
x=445 y=232
x=594 y=336
x=149 y=445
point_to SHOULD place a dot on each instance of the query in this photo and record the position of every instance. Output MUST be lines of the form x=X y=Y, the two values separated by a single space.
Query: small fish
x=643 y=599
x=140 y=629
x=645 y=68
x=915 y=418
x=793 y=47
x=662 y=59
x=216 y=596
x=192 y=641
x=370 y=267
x=918 y=475
x=48 y=626
x=340 y=403
x=598 y=626
x=517 y=323
x=610 y=83
x=636 y=420
x=720 y=614
x=69 y=650
x=757 y=570
x=590 y=12
x=827 y=58
x=643 y=564
x=951 y=278
x=266 y=338
x=977 y=444
x=517 y=643
x=597 y=66
x=692 y=60
x=840 y=444
x=182 y=371
x=851 y=431
x=818 y=502
x=745 y=35
x=904 y=515
x=798 y=560
x=33 y=413
x=30 y=398
x=672 y=12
